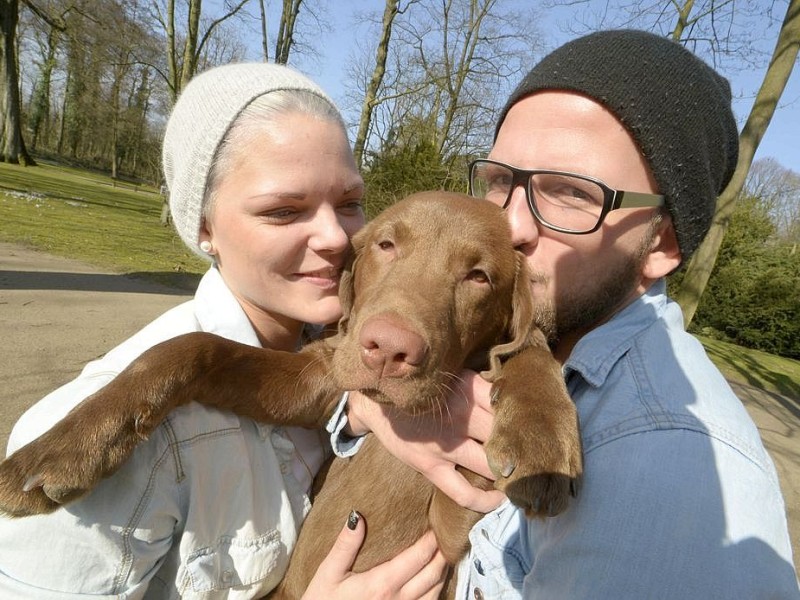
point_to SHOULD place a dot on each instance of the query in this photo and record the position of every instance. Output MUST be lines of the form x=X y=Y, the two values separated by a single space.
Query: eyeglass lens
x=561 y=200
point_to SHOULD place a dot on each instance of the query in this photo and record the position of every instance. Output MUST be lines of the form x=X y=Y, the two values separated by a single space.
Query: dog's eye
x=386 y=245
x=478 y=276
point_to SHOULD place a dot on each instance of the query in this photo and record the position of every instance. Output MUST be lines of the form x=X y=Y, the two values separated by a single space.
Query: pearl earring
x=206 y=246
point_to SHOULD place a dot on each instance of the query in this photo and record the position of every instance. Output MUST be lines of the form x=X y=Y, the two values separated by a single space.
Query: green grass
x=755 y=368
x=87 y=216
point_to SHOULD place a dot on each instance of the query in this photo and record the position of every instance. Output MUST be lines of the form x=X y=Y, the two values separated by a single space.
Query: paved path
x=55 y=316
x=58 y=314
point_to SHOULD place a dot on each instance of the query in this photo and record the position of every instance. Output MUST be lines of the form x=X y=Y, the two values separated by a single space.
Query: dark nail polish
x=352 y=520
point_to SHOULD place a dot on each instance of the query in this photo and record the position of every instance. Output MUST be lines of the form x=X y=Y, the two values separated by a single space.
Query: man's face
x=581 y=279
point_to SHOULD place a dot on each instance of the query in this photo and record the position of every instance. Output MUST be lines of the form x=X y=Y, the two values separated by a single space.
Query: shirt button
x=478 y=566
x=227 y=577
x=477 y=594
x=485 y=533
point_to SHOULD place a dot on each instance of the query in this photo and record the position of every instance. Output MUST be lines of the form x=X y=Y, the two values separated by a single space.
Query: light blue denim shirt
x=209 y=507
x=679 y=498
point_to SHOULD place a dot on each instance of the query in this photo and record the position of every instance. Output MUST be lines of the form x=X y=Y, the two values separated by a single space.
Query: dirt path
x=58 y=314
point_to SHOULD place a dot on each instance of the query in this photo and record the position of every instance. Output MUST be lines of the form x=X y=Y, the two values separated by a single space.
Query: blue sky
x=780 y=141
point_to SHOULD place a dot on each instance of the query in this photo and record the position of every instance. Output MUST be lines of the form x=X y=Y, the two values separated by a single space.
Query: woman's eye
x=281 y=214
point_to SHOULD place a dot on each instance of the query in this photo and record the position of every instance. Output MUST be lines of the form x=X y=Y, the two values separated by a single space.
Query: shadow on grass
x=743 y=368
x=178 y=284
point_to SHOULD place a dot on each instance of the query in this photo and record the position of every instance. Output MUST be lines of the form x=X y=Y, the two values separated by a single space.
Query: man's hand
x=433 y=444
x=416 y=573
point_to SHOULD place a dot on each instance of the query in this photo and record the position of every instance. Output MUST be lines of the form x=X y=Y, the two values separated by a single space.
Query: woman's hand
x=434 y=443
x=417 y=572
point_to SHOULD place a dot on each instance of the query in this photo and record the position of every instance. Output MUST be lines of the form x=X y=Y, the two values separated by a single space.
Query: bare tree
x=285 y=38
x=264 y=39
x=448 y=63
x=14 y=150
x=779 y=189
x=40 y=104
x=101 y=86
x=184 y=47
x=459 y=51
x=390 y=11
x=780 y=68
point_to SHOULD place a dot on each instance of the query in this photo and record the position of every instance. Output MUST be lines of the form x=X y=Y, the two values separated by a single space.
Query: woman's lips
x=327 y=278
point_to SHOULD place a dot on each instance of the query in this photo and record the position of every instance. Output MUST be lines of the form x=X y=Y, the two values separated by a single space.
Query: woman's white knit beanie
x=201 y=117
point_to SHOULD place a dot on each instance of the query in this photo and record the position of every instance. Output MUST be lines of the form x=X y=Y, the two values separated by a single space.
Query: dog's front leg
x=96 y=437
x=535 y=446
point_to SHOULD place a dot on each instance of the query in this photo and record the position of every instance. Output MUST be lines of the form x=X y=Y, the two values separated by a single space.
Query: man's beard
x=581 y=309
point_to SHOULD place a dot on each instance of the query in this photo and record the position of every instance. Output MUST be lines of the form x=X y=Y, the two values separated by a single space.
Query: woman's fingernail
x=352 y=520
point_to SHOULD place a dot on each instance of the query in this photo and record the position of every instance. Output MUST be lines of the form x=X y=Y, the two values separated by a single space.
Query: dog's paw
x=540 y=490
x=66 y=462
x=539 y=486
x=33 y=483
x=535 y=452
x=544 y=495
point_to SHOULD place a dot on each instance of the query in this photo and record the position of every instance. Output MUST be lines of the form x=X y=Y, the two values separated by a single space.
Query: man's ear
x=664 y=256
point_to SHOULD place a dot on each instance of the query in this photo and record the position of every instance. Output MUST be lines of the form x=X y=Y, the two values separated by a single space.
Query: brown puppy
x=434 y=286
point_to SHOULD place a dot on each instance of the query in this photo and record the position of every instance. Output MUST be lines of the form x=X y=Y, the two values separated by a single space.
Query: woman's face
x=282 y=218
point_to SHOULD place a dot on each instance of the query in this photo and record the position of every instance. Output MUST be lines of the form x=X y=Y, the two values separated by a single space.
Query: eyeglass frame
x=612 y=199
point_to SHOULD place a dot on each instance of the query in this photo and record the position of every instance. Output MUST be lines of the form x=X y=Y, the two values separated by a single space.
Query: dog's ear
x=347 y=280
x=522 y=330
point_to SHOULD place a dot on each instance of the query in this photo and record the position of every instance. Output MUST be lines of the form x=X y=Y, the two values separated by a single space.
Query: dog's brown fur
x=434 y=286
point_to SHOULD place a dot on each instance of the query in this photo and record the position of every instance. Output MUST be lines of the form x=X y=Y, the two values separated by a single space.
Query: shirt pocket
x=234 y=563
x=495 y=567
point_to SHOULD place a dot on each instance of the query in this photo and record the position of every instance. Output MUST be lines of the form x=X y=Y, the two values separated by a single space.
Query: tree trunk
x=370 y=97
x=780 y=68
x=683 y=20
x=189 y=65
x=78 y=76
x=291 y=8
x=456 y=71
x=40 y=111
x=172 y=52
x=264 y=40
x=179 y=74
x=62 y=125
x=116 y=154
x=13 y=145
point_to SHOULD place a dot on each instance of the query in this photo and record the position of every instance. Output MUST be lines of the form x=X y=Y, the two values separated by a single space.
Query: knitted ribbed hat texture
x=674 y=105
x=202 y=115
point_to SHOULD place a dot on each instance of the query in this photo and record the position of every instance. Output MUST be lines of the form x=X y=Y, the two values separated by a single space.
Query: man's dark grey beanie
x=675 y=106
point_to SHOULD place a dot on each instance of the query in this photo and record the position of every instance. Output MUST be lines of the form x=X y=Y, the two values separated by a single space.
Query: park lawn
x=753 y=367
x=87 y=216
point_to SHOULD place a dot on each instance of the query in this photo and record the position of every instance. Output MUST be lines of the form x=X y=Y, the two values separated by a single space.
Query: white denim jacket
x=680 y=500
x=209 y=507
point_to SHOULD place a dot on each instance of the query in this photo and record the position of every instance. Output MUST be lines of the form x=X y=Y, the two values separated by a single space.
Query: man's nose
x=524 y=226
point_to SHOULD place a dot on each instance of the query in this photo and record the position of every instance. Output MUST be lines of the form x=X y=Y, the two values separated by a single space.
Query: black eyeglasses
x=561 y=201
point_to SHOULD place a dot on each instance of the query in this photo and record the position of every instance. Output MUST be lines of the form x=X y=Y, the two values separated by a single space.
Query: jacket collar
x=219 y=312
x=596 y=353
